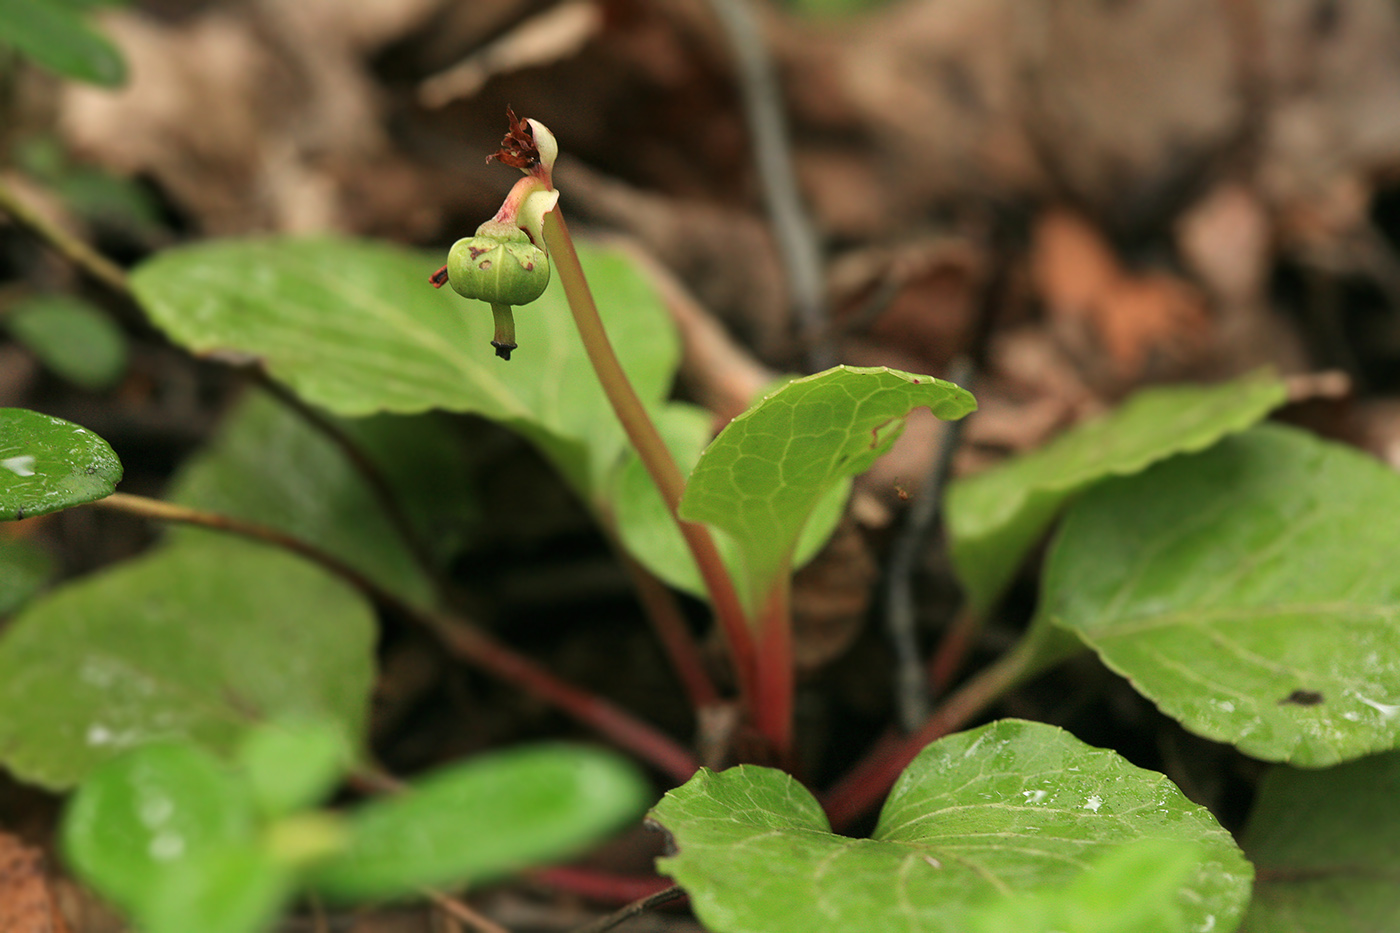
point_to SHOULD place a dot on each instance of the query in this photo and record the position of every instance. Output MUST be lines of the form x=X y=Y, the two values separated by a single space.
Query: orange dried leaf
x=27 y=903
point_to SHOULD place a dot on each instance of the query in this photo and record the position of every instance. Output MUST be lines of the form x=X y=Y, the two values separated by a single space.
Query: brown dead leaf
x=1226 y=240
x=558 y=32
x=250 y=116
x=27 y=903
x=1135 y=320
x=919 y=299
x=1131 y=105
x=726 y=257
x=1073 y=267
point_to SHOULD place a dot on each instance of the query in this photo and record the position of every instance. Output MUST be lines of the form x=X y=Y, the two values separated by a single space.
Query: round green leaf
x=650 y=533
x=70 y=337
x=24 y=570
x=1249 y=591
x=202 y=639
x=760 y=480
x=479 y=820
x=237 y=888
x=56 y=37
x=994 y=518
x=1134 y=888
x=355 y=328
x=48 y=464
x=1008 y=809
x=1325 y=846
x=294 y=763
x=140 y=814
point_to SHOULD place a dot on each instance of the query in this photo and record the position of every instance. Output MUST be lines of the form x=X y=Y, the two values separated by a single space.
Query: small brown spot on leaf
x=1302 y=698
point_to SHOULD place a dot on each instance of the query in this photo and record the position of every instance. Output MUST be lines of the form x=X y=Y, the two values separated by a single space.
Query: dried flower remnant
x=518 y=147
x=505 y=263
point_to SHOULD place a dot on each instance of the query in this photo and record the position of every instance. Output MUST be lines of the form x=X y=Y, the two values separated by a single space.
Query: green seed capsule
x=499 y=265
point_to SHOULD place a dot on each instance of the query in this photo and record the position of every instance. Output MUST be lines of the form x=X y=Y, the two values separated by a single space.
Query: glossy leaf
x=355 y=328
x=1249 y=591
x=1134 y=888
x=649 y=532
x=201 y=639
x=1325 y=846
x=268 y=465
x=994 y=518
x=48 y=464
x=237 y=888
x=1013 y=808
x=760 y=480
x=293 y=764
x=479 y=820
x=25 y=569
x=58 y=38
x=142 y=812
x=70 y=337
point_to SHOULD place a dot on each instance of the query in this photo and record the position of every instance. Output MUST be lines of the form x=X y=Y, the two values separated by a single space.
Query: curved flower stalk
x=504 y=264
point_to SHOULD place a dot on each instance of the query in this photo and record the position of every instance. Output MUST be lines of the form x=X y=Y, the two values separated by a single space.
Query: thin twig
x=768 y=129
x=459 y=910
x=319 y=923
x=603 y=924
x=464 y=640
x=75 y=250
x=1004 y=246
x=911 y=684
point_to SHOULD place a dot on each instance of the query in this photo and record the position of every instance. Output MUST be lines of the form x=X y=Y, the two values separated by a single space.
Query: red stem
x=601 y=886
x=775 y=681
x=866 y=783
x=621 y=727
x=651 y=449
x=953 y=649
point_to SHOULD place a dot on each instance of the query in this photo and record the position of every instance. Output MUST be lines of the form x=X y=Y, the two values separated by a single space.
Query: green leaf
x=1249 y=591
x=72 y=338
x=294 y=763
x=202 y=639
x=142 y=812
x=355 y=328
x=1130 y=889
x=25 y=569
x=48 y=464
x=1325 y=846
x=760 y=480
x=650 y=534
x=1008 y=809
x=58 y=38
x=238 y=888
x=482 y=819
x=835 y=9
x=268 y=465
x=996 y=517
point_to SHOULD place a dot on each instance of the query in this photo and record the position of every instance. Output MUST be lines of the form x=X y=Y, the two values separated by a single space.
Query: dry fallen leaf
x=1132 y=321
x=27 y=903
